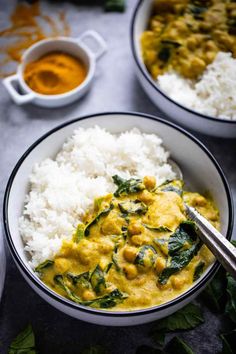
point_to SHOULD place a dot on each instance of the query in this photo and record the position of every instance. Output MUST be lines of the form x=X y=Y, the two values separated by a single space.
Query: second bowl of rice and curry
x=185 y=54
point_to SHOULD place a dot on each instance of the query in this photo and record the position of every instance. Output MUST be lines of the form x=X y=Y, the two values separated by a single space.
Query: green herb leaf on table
x=178 y=346
x=230 y=308
x=24 y=343
x=214 y=294
x=228 y=341
x=115 y=5
x=188 y=317
x=96 y=349
x=146 y=349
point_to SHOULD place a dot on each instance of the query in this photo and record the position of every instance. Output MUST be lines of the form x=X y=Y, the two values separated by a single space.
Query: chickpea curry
x=186 y=35
x=137 y=249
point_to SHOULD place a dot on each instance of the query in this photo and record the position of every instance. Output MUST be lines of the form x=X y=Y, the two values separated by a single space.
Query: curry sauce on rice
x=103 y=232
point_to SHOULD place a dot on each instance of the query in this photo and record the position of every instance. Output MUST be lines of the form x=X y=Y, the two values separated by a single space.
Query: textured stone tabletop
x=115 y=89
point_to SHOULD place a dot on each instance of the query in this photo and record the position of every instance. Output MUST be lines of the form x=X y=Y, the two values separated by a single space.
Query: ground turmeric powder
x=28 y=25
x=55 y=73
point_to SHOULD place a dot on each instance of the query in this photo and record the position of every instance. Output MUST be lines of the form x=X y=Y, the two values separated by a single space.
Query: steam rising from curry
x=136 y=249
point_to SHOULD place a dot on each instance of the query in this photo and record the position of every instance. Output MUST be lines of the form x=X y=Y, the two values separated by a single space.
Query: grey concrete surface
x=115 y=88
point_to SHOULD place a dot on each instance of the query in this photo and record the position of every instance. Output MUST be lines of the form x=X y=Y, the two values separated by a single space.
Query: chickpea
x=139 y=240
x=177 y=282
x=130 y=253
x=88 y=295
x=135 y=228
x=209 y=57
x=149 y=182
x=199 y=201
x=130 y=271
x=197 y=65
x=62 y=265
x=191 y=43
x=145 y=197
x=106 y=247
x=160 y=264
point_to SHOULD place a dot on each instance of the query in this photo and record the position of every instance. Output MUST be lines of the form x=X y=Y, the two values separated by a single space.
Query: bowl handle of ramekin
x=93 y=37
x=18 y=98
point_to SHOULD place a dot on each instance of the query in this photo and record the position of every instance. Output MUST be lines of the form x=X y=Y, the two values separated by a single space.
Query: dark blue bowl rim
x=148 y=77
x=42 y=287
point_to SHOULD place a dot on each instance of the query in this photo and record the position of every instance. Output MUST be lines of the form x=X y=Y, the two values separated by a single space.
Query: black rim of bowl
x=148 y=77
x=42 y=287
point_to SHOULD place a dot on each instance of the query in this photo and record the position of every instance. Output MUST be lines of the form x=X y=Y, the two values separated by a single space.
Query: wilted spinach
x=129 y=186
x=97 y=280
x=183 y=245
x=44 y=265
x=104 y=212
x=198 y=270
x=108 y=300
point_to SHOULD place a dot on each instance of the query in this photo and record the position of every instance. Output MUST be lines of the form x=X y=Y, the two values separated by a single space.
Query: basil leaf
x=24 y=343
x=43 y=265
x=188 y=317
x=177 y=345
x=129 y=186
x=198 y=270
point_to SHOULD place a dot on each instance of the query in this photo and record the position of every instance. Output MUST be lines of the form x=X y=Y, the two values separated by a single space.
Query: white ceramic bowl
x=2 y=265
x=200 y=170
x=81 y=47
x=191 y=119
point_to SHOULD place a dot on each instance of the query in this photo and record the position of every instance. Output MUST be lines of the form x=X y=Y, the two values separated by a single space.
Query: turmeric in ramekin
x=55 y=73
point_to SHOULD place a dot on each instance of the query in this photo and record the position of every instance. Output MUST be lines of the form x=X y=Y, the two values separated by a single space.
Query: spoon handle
x=222 y=249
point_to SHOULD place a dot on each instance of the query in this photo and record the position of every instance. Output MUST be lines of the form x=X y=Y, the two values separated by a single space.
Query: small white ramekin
x=81 y=47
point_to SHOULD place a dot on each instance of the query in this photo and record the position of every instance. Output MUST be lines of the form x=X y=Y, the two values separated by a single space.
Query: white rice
x=214 y=94
x=62 y=189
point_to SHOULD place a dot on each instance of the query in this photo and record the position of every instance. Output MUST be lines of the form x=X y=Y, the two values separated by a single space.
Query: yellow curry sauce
x=136 y=250
x=186 y=35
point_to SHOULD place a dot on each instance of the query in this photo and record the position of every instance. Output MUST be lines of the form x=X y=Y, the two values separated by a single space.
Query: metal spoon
x=222 y=249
